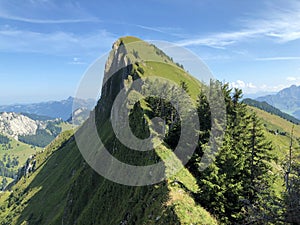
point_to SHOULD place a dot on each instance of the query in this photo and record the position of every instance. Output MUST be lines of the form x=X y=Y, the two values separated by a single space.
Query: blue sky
x=47 y=45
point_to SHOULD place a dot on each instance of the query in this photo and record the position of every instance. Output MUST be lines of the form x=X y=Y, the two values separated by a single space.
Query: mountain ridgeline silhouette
x=51 y=109
x=287 y=100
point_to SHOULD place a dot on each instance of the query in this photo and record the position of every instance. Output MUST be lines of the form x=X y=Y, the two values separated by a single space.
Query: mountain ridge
x=81 y=190
x=271 y=109
x=287 y=100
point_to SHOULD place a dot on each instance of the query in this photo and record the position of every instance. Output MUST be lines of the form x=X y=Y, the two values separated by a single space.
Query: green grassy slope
x=278 y=130
x=13 y=156
x=65 y=190
x=18 y=149
x=155 y=62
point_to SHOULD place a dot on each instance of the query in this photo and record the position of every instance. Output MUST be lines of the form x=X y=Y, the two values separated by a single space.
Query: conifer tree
x=241 y=173
x=257 y=174
x=291 y=196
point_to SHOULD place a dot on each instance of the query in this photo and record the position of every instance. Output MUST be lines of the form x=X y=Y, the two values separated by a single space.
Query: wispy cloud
x=170 y=31
x=293 y=79
x=31 y=11
x=282 y=58
x=57 y=43
x=156 y=29
x=278 y=24
x=252 y=88
x=47 y=21
x=219 y=40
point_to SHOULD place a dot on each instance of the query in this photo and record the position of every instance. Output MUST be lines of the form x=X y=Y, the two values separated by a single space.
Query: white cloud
x=33 y=11
x=61 y=43
x=47 y=21
x=250 y=85
x=242 y=85
x=238 y=84
x=77 y=61
x=280 y=24
x=219 y=40
x=281 y=58
x=250 y=88
x=292 y=78
x=175 y=31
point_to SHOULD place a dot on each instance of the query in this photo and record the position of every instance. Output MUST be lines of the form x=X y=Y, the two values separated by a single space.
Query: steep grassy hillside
x=13 y=155
x=65 y=190
x=279 y=131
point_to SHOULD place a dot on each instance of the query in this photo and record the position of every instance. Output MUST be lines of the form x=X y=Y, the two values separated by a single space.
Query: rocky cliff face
x=15 y=125
x=117 y=61
x=79 y=116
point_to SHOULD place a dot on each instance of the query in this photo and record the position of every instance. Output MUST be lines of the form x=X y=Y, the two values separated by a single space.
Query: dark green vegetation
x=271 y=109
x=8 y=167
x=43 y=137
x=4 y=140
x=287 y=100
x=245 y=184
x=285 y=140
x=13 y=155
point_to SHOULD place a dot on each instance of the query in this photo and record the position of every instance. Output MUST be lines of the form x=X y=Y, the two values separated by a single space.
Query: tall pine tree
x=241 y=175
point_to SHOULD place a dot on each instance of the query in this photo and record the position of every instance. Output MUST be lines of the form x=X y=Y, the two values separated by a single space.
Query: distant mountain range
x=287 y=100
x=53 y=109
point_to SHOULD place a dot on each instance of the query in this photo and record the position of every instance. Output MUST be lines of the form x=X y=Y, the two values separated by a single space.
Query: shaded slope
x=278 y=130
